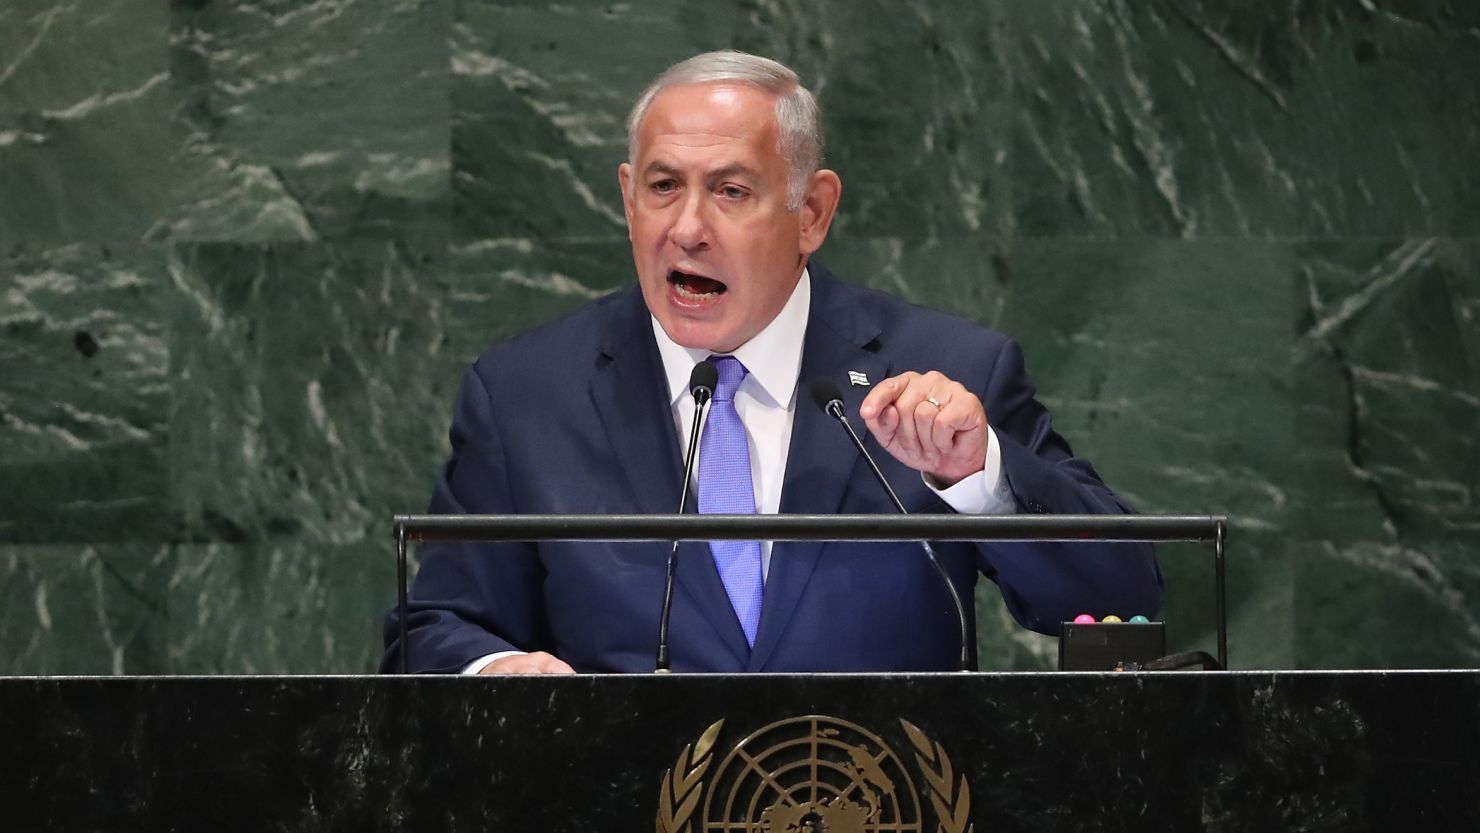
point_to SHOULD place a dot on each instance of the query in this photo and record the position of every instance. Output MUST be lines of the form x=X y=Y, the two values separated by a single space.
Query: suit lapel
x=630 y=396
x=630 y=393
x=822 y=461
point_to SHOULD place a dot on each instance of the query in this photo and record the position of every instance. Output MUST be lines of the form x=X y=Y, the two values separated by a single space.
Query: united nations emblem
x=809 y=775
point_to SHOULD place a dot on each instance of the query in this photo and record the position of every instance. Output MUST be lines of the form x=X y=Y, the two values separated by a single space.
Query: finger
x=885 y=425
x=967 y=447
x=506 y=665
x=957 y=414
x=543 y=662
x=931 y=426
x=879 y=412
x=887 y=392
x=924 y=424
x=907 y=437
x=916 y=416
x=539 y=662
x=883 y=394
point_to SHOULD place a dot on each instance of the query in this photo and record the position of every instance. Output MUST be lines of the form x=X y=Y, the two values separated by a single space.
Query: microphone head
x=825 y=393
x=702 y=380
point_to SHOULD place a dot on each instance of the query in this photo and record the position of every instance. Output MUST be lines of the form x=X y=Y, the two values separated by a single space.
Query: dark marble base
x=1174 y=752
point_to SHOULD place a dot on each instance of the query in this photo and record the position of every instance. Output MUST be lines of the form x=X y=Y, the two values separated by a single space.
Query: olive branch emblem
x=681 y=785
x=952 y=802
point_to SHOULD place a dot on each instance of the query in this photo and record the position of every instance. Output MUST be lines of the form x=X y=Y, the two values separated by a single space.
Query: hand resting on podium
x=538 y=662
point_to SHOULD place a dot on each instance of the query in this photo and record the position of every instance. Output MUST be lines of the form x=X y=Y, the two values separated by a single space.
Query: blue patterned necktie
x=725 y=488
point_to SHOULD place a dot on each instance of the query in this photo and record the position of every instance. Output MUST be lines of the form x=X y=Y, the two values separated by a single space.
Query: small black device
x=1110 y=646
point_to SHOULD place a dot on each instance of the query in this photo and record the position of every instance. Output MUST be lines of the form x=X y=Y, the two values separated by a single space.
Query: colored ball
x=1140 y=620
x=1084 y=619
x=1112 y=618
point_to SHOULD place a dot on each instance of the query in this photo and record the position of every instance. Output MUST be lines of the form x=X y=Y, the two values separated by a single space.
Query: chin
x=698 y=338
x=701 y=343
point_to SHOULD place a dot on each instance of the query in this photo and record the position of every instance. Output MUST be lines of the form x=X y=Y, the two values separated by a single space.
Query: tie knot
x=731 y=374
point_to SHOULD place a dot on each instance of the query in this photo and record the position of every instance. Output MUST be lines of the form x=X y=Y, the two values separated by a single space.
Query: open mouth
x=695 y=286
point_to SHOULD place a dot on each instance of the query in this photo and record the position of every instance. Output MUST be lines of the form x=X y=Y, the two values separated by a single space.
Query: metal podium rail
x=1152 y=529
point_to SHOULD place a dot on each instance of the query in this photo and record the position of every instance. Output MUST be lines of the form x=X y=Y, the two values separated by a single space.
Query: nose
x=690 y=230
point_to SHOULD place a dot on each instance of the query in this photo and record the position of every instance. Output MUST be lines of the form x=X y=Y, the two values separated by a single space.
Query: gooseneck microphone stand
x=830 y=400
x=701 y=386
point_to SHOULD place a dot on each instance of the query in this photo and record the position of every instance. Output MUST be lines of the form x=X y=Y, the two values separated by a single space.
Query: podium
x=1255 y=751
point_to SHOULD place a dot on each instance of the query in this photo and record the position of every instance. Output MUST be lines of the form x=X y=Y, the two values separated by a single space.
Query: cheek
x=645 y=244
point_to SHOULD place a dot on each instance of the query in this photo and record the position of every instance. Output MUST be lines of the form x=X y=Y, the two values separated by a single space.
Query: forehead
x=709 y=115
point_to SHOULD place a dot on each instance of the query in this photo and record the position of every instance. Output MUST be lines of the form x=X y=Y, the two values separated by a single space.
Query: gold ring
x=932 y=400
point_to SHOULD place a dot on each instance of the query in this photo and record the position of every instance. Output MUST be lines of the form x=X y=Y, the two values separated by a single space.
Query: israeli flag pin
x=857 y=378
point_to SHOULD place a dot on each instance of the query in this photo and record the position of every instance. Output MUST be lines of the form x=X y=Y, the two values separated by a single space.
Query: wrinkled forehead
x=706 y=113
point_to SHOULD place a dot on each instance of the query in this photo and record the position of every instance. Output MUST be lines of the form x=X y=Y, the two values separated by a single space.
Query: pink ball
x=1084 y=619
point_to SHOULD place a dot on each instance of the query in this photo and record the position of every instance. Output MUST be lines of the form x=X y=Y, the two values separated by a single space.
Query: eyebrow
x=709 y=176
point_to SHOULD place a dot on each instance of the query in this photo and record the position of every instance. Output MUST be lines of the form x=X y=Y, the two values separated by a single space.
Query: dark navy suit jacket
x=574 y=417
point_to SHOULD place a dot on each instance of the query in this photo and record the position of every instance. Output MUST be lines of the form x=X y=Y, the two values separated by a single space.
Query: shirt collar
x=773 y=356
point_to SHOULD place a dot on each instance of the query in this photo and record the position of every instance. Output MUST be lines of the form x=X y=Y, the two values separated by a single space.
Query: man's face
x=717 y=252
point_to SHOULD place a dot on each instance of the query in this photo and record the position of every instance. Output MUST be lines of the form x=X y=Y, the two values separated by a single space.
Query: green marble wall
x=246 y=248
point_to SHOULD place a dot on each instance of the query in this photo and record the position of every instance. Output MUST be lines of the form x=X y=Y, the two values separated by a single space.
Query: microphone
x=702 y=380
x=830 y=400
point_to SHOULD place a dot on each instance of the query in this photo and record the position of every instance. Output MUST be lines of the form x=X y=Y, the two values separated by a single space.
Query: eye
x=732 y=192
x=663 y=186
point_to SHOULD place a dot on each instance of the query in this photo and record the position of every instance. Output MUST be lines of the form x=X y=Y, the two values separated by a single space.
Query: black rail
x=1102 y=528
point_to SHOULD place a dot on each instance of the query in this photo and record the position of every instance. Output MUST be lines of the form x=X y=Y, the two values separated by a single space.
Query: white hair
x=798 y=122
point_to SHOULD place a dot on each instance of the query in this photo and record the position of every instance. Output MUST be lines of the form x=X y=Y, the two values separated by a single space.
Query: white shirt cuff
x=983 y=493
x=478 y=664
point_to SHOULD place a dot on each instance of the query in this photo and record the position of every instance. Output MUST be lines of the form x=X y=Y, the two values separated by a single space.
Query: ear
x=624 y=180
x=819 y=205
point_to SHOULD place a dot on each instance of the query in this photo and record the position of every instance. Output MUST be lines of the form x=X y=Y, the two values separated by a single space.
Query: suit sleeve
x=471 y=600
x=1047 y=584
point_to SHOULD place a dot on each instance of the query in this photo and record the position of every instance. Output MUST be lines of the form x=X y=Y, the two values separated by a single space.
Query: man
x=726 y=202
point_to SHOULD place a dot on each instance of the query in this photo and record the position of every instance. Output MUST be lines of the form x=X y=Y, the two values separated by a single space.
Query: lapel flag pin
x=858 y=378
